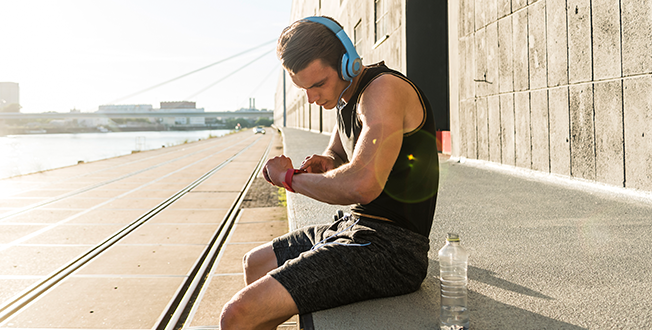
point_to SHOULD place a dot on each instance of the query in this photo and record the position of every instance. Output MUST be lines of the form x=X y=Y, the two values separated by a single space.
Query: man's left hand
x=275 y=169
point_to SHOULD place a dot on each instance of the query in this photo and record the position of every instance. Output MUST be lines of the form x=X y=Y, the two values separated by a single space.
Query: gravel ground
x=263 y=194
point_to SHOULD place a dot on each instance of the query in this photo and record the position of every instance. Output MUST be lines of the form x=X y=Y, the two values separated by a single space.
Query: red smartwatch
x=288 y=178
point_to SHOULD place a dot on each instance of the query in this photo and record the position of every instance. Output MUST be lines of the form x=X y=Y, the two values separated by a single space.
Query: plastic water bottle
x=453 y=262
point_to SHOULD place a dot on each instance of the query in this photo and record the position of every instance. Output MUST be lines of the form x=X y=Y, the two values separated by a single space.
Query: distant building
x=117 y=108
x=9 y=97
x=252 y=106
x=179 y=105
x=175 y=106
x=85 y=122
x=125 y=108
x=182 y=106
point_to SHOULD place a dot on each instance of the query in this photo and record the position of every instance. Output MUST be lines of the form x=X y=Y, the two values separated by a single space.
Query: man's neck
x=354 y=85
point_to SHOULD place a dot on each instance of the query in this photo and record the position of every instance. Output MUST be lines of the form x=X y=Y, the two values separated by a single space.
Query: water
x=453 y=263
x=454 y=319
x=454 y=313
x=24 y=154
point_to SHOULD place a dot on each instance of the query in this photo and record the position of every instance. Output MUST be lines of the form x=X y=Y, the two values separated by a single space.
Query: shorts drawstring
x=324 y=241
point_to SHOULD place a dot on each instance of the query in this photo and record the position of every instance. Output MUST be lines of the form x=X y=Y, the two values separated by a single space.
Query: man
x=382 y=157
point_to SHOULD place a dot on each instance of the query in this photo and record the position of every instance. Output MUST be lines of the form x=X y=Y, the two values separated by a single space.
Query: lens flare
x=415 y=176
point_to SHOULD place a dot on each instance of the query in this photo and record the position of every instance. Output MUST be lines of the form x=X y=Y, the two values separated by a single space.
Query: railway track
x=112 y=180
x=184 y=301
x=185 y=295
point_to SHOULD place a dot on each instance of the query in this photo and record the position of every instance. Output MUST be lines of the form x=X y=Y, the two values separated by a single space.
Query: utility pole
x=284 y=105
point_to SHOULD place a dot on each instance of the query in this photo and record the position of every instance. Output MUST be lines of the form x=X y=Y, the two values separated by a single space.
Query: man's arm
x=382 y=110
x=335 y=149
x=333 y=157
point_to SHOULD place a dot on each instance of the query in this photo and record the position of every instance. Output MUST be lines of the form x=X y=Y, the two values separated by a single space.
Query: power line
x=265 y=79
x=189 y=73
x=274 y=69
x=228 y=75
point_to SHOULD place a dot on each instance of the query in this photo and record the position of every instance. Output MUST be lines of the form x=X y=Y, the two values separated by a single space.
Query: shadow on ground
x=420 y=310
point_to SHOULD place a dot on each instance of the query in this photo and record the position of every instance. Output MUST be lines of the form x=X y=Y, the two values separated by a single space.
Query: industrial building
x=182 y=106
x=9 y=97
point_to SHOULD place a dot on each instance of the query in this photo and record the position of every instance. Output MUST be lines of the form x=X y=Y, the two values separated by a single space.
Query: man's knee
x=259 y=255
x=232 y=315
x=246 y=260
x=265 y=303
x=252 y=260
x=257 y=262
x=239 y=314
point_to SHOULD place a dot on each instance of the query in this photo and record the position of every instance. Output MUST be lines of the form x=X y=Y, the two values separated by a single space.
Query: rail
x=104 y=183
x=184 y=297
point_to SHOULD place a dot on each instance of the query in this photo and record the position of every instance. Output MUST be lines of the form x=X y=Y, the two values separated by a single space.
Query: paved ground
x=50 y=218
x=264 y=216
x=546 y=252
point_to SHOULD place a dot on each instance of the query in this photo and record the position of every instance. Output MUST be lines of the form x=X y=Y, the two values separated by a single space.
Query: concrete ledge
x=304 y=211
x=418 y=310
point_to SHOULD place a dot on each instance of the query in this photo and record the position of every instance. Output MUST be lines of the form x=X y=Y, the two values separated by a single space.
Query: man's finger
x=266 y=176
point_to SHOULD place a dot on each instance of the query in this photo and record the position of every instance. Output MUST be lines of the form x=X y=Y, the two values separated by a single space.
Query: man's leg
x=264 y=304
x=258 y=262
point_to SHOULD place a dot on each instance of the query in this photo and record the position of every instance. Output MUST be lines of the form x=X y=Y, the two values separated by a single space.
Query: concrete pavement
x=547 y=252
x=51 y=218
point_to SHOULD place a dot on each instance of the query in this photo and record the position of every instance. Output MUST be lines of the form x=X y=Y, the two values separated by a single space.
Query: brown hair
x=304 y=41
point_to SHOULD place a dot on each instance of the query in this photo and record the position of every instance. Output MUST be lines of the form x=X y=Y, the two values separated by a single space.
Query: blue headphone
x=351 y=62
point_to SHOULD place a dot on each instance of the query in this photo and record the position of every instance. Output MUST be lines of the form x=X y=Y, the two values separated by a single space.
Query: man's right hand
x=318 y=164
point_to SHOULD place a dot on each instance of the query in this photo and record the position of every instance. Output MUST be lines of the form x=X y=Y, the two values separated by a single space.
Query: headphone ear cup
x=345 y=68
x=350 y=68
x=356 y=67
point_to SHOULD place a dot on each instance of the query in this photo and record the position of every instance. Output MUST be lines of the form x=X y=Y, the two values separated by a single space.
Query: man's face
x=322 y=84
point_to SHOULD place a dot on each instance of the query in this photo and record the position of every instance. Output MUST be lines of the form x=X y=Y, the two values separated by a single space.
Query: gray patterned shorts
x=371 y=259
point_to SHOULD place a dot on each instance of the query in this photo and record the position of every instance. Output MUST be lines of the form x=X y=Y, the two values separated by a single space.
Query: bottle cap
x=452 y=237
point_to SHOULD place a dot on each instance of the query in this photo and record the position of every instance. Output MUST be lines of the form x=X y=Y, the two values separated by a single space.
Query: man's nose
x=312 y=96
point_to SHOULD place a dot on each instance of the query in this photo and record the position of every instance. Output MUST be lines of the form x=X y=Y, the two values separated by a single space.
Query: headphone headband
x=351 y=62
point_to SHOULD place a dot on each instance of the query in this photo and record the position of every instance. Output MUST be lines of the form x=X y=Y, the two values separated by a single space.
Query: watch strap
x=289 y=174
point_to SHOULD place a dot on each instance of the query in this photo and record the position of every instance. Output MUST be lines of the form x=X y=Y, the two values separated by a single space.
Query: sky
x=79 y=54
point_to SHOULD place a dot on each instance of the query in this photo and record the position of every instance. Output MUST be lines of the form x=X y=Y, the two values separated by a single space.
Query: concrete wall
x=299 y=113
x=560 y=86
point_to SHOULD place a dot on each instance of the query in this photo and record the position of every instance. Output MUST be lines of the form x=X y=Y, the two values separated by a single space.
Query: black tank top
x=410 y=193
